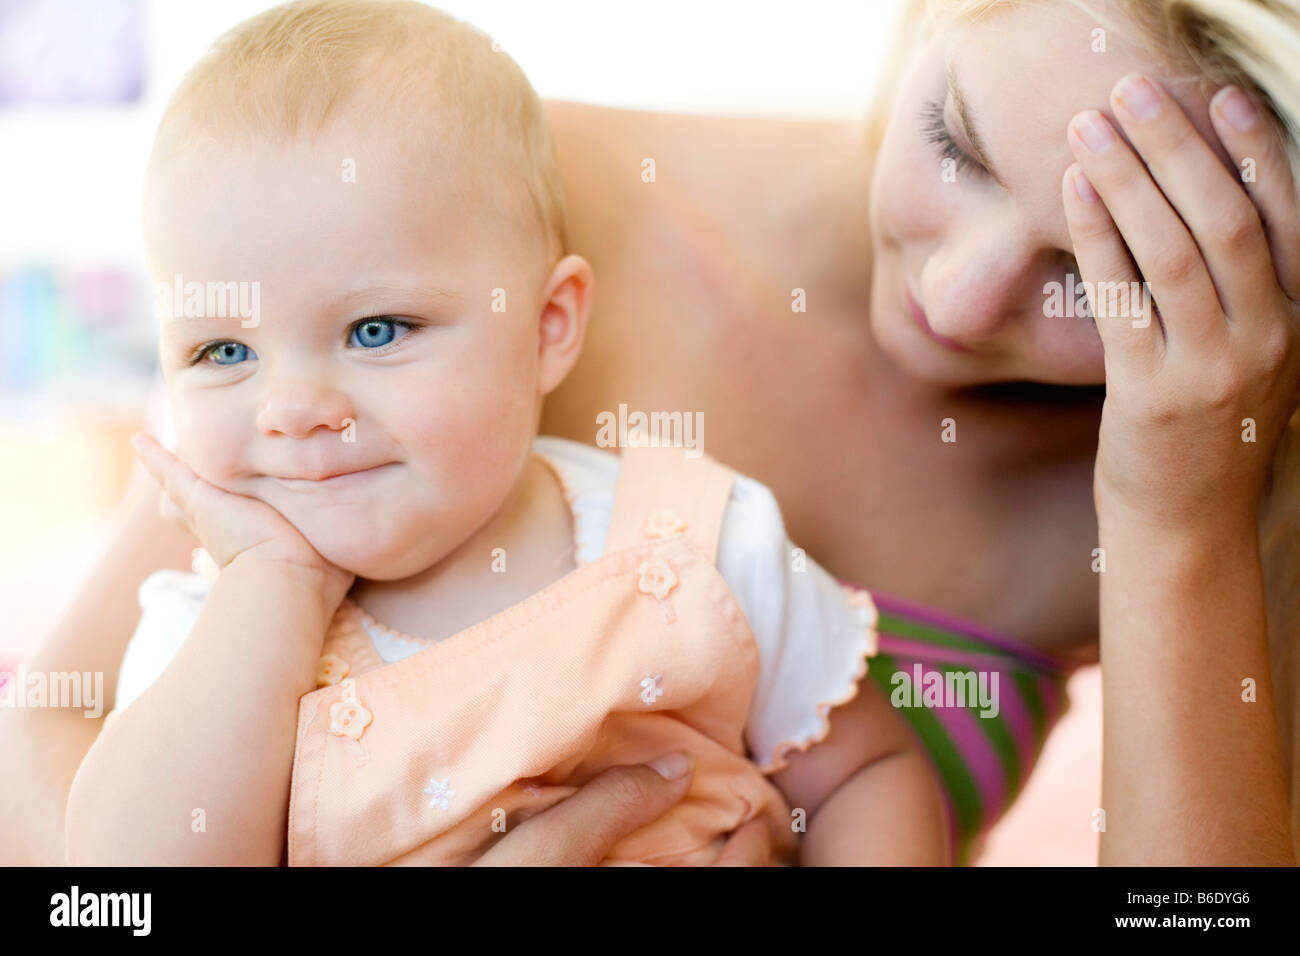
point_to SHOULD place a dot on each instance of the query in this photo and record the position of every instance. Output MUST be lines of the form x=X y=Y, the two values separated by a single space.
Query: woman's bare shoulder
x=737 y=171
x=699 y=147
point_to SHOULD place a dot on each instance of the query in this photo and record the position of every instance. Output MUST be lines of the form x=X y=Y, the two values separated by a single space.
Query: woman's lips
x=919 y=318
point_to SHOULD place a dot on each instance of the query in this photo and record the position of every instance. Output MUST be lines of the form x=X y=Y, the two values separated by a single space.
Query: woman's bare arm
x=1193 y=767
x=40 y=749
x=1195 y=406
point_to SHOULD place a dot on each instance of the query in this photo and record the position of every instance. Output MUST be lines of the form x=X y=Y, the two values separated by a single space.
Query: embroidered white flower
x=650 y=689
x=441 y=793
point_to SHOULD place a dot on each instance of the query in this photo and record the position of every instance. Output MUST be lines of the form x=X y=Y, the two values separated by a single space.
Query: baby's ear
x=562 y=322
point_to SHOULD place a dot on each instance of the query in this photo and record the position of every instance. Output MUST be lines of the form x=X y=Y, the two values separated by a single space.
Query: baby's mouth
x=332 y=478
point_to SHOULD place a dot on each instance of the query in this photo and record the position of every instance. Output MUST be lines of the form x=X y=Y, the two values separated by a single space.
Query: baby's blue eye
x=376 y=333
x=227 y=353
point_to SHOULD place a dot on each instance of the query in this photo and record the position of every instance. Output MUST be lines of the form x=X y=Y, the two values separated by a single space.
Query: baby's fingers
x=180 y=485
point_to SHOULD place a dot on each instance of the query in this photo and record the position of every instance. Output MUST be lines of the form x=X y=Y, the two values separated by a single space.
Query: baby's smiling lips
x=330 y=478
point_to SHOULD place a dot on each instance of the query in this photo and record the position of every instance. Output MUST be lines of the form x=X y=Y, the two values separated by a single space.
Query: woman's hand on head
x=1200 y=388
x=582 y=829
x=232 y=526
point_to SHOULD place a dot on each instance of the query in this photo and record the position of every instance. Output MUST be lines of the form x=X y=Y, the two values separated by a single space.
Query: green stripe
x=999 y=737
x=1004 y=744
x=924 y=633
x=962 y=792
x=1028 y=687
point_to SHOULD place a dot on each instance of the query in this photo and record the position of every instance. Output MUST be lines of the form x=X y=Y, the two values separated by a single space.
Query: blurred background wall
x=82 y=86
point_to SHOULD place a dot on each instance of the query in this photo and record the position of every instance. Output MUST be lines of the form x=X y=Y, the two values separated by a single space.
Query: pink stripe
x=926 y=615
x=1053 y=694
x=914 y=650
x=1012 y=709
x=976 y=751
x=1019 y=721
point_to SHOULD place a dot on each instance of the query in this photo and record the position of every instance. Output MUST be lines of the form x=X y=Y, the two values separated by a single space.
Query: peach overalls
x=429 y=759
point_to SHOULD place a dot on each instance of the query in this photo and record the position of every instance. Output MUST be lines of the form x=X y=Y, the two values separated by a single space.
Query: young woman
x=842 y=302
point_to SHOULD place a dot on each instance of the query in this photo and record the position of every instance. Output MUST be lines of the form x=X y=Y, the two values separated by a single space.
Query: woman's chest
x=787 y=392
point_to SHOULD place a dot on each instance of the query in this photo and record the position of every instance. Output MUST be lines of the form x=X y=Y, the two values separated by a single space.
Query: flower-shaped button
x=663 y=523
x=331 y=670
x=347 y=717
x=655 y=578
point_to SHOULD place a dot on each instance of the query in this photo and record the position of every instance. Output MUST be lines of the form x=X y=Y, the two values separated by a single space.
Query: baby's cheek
x=212 y=438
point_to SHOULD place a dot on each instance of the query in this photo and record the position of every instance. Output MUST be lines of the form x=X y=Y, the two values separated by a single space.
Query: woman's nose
x=297 y=408
x=975 y=296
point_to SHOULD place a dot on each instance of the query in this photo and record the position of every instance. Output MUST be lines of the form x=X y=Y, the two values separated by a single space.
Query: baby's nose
x=296 y=409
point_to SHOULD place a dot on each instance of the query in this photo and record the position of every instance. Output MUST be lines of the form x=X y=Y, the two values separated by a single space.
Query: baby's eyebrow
x=355 y=298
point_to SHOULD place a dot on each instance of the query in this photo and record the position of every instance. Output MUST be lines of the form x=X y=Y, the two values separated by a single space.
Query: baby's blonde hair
x=1254 y=44
x=287 y=71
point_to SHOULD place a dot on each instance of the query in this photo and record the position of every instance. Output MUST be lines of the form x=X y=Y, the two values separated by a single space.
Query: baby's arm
x=870 y=795
x=215 y=732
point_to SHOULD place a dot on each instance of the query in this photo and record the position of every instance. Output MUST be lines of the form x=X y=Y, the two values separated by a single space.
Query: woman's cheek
x=1067 y=351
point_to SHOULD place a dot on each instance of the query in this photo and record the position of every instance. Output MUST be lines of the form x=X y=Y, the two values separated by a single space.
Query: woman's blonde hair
x=1254 y=44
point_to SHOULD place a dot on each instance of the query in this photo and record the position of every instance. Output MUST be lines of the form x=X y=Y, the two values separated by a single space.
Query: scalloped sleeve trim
x=813 y=635
x=867 y=647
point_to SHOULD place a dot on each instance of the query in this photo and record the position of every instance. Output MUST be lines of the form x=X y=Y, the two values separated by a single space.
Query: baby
x=415 y=623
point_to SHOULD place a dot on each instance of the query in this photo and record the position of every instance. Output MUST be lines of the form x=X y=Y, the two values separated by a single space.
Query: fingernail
x=1094 y=131
x=1238 y=109
x=1139 y=96
x=672 y=766
x=1083 y=187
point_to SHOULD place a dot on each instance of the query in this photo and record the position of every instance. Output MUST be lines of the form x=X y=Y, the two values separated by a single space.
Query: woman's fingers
x=1223 y=221
x=1163 y=249
x=1267 y=175
x=1131 y=338
x=581 y=830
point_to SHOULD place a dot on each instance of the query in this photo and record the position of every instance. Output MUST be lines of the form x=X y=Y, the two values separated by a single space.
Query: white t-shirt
x=812 y=640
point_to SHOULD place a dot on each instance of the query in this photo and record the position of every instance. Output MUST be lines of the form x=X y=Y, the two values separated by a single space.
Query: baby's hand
x=231 y=526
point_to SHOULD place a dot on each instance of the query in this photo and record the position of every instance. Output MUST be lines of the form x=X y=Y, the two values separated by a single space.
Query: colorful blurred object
x=71 y=52
x=76 y=333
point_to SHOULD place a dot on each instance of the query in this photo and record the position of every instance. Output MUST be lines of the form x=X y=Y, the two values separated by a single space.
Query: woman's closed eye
x=936 y=132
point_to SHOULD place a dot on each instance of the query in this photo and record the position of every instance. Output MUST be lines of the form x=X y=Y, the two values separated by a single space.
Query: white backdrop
x=70 y=178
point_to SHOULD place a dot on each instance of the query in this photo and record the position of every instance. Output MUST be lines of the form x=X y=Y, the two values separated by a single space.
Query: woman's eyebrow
x=968 y=124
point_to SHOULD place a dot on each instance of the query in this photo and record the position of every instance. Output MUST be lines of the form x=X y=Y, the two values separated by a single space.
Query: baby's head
x=378 y=183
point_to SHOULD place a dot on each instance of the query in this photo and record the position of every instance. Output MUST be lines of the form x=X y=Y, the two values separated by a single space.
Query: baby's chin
x=368 y=550
x=369 y=557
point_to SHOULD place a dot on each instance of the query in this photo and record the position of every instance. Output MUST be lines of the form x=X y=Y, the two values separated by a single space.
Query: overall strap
x=662 y=492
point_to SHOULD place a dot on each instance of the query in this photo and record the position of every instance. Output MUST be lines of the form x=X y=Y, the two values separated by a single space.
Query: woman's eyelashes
x=936 y=132
x=377 y=334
